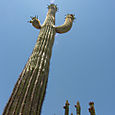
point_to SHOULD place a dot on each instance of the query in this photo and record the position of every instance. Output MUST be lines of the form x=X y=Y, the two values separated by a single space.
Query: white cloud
x=52 y=1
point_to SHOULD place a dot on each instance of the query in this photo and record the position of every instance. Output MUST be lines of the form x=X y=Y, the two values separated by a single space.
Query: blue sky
x=83 y=60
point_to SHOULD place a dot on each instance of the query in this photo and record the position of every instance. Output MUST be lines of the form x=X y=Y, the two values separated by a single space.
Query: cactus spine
x=28 y=94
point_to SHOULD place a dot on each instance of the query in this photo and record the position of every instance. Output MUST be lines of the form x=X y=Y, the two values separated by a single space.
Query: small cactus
x=66 y=107
x=78 y=108
x=92 y=109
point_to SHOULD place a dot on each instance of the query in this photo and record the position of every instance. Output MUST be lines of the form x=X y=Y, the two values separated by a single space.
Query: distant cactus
x=66 y=107
x=78 y=108
x=92 y=109
x=28 y=94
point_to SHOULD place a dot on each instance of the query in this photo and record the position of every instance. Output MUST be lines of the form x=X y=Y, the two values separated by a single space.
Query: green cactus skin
x=28 y=94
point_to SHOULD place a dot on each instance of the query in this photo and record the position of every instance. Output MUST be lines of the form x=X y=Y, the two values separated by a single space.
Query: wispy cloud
x=52 y=1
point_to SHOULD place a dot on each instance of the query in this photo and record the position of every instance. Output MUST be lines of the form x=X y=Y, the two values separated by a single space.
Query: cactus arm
x=35 y=22
x=67 y=24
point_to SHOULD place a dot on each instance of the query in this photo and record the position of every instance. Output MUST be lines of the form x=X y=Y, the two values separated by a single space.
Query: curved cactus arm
x=35 y=22
x=67 y=24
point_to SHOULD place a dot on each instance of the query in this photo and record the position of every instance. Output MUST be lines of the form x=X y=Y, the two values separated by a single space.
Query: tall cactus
x=28 y=94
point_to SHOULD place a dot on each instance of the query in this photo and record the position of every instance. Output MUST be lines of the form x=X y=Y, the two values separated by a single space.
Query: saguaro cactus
x=28 y=94
x=78 y=108
x=66 y=107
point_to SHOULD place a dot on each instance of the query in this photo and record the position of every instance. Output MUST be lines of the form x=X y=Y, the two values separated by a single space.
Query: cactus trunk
x=28 y=94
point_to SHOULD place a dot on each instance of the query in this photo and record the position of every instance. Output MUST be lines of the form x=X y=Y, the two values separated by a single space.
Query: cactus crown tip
x=67 y=103
x=52 y=6
x=72 y=16
x=91 y=103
